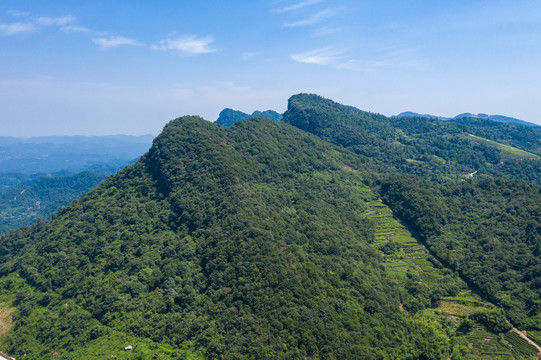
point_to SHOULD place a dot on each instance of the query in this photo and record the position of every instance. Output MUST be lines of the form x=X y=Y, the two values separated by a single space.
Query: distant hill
x=428 y=147
x=228 y=116
x=498 y=118
x=414 y=114
x=24 y=159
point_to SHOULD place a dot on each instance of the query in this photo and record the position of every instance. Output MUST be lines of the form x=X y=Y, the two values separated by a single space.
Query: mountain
x=228 y=116
x=427 y=147
x=488 y=229
x=25 y=203
x=335 y=233
x=497 y=118
x=244 y=242
x=414 y=114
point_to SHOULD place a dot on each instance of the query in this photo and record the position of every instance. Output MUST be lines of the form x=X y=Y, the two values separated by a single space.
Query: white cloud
x=297 y=6
x=16 y=28
x=16 y=13
x=58 y=21
x=318 y=57
x=34 y=23
x=317 y=18
x=72 y=28
x=188 y=45
x=113 y=41
x=248 y=55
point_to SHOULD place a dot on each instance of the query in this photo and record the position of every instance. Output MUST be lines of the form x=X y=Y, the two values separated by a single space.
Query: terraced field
x=535 y=336
x=483 y=345
x=410 y=256
x=520 y=345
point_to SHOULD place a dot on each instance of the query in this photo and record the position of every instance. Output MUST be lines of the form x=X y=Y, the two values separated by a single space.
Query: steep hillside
x=245 y=242
x=427 y=147
x=489 y=231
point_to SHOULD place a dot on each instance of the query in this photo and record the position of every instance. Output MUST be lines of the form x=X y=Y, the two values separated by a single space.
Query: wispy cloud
x=387 y=57
x=114 y=41
x=16 y=13
x=314 y=19
x=248 y=55
x=75 y=28
x=16 y=28
x=297 y=6
x=186 y=45
x=58 y=21
x=33 y=23
x=319 y=57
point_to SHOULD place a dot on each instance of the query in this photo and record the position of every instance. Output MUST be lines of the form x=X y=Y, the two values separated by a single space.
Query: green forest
x=332 y=234
x=25 y=203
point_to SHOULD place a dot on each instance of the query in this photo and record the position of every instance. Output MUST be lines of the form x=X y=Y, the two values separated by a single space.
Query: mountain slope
x=23 y=204
x=245 y=242
x=430 y=148
x=489 y=231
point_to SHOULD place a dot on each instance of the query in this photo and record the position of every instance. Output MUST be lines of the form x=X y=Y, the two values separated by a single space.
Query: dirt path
x=525 y=337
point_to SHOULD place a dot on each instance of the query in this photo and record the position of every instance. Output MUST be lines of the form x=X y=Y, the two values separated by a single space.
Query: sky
x=128 y=67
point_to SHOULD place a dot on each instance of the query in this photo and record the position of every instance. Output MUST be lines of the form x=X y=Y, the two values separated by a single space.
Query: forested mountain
x=276 y=240
x=430 y=148
x=496 y=118
x=25 y=203
x=245 y=242
x=228 y=117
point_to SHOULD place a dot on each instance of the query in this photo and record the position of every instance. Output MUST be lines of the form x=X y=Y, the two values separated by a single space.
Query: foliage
x=488 y=230
x=228 y=117
x=494 y=321
x=427 y=147
x=245 y=242
x=24 y=204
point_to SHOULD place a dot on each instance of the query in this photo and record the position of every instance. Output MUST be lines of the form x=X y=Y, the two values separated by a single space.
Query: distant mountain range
x=23 y=159
x=228 y=116
x=497 y=118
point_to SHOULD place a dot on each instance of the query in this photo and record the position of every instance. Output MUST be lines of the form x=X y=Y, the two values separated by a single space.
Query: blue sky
x=110 y=67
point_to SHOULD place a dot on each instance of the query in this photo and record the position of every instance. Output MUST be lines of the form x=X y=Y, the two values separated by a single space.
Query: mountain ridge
x=497 y=118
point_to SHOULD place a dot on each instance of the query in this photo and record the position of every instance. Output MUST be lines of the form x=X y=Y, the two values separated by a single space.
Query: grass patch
x=6 y=322
x=512 y=152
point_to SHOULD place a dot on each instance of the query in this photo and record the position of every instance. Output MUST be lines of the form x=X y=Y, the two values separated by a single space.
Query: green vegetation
x=228 y=117
x=23 y=204
x=429 y=148
x=535 y=336
x=245 y=242
x=508 y=152
x=261 y=240
x=520 y=345
x=487 y=230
